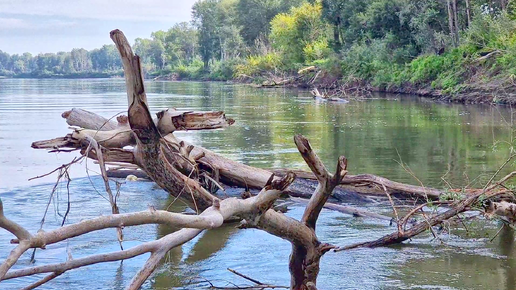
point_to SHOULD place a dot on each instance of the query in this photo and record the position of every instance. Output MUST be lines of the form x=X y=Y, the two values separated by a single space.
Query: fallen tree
x=190 y=173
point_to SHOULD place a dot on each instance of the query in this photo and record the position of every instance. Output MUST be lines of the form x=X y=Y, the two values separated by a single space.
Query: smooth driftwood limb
x=85 y=119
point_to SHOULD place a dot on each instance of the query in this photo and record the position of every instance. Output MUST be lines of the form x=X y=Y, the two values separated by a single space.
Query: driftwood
x=325 y=97
x=166 y=161
x=178 y=168
x=237 y=174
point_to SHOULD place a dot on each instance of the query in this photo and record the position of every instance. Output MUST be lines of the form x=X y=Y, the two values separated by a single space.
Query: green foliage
x=488 y=32
x=316 y=50
x=300 y=35
x=254 y=65
x=205 y=19
x=224 y=70
x=254 y=16
x=194 y=70
x=380 y=42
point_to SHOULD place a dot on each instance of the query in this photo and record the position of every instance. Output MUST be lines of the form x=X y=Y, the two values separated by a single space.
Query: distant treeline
x=101 y=62
x=381 y=42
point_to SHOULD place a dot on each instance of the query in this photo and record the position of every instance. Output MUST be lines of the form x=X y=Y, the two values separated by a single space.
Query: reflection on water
x=452 y=141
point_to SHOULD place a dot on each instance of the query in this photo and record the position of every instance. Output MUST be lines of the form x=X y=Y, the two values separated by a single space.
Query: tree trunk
x=456 y=22
x=468 y=13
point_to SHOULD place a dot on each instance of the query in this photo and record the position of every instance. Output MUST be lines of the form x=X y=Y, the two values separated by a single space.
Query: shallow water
x=439 y=143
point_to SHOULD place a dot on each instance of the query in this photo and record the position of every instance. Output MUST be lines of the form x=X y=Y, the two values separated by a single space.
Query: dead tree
x=176 y=167
x=172 y=164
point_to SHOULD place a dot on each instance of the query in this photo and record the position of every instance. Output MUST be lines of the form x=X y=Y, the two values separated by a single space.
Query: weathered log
x=171 y=120
x=370 y=184
x=86 y=119
x=234 y=173
x=117 y=138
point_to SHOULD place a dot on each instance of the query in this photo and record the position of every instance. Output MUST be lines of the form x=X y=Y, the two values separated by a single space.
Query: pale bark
x=174 y=166
x=85 y=119
x=468 y=13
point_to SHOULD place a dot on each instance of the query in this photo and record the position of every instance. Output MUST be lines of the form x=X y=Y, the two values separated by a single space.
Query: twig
x=112 y=200
x=42 y=281
x=497 y=233
x=400 y=229
x=245 y=277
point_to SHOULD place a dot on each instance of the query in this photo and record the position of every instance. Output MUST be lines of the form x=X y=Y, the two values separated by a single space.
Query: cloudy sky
x=38 y=26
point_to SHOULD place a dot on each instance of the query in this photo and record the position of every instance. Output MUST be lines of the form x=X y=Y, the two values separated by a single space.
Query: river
x=404 y=138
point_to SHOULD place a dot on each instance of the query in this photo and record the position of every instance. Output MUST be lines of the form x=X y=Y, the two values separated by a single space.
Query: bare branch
x=327 y=181
x=12 y=227
x=42 y=281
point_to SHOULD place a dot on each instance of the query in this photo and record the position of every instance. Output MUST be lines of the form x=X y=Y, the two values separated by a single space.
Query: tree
x=181 y=43
x=204 y=13
x=80 y=60
x=297 y=32
x=105 y=59
x=255 y=16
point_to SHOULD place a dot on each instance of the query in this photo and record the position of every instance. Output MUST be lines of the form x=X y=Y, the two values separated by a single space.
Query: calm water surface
x=441 y=144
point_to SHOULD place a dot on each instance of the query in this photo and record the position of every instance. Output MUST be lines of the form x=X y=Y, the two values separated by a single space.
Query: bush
x=224 y=70
x=316 y=50
x=255 y=65
x=490 y=32
x=194 y=70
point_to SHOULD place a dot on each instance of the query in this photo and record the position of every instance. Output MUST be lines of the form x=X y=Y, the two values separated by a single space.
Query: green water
x=403 y=138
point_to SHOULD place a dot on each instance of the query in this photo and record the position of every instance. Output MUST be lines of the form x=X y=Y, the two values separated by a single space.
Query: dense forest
x=448 y=45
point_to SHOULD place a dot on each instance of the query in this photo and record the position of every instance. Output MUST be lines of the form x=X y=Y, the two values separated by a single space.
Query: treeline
x=101 y=62
x=441 y=44
x=445 y=45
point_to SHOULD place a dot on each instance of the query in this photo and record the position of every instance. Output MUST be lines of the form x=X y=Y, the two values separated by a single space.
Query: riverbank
x=458 y=76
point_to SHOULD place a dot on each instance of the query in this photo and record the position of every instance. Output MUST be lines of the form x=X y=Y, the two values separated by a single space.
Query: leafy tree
x=299 y=31
x=255 y=16
x=181 y=43
x=204 y=13
x=80 y=60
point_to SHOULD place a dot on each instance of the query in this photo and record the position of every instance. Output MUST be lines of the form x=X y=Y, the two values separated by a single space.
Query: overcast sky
x=38 y=26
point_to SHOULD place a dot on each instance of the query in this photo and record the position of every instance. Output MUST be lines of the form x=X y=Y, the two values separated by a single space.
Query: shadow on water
x=434 y=140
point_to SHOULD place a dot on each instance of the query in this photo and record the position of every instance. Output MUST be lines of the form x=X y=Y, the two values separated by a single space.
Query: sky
x=40 y=26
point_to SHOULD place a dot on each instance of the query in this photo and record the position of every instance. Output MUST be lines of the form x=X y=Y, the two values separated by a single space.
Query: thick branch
x=327 y=181
x=12 y=227
x=171 y=120
x=85 y=119
x=132 y=69
x=210 y=219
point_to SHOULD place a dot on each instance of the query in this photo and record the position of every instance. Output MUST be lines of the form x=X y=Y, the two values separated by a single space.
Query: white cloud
x=13 y=23
x=132 y=10
x=60 y=25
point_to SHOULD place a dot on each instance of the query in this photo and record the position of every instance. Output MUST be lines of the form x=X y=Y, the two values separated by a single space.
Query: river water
x=403 y=138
